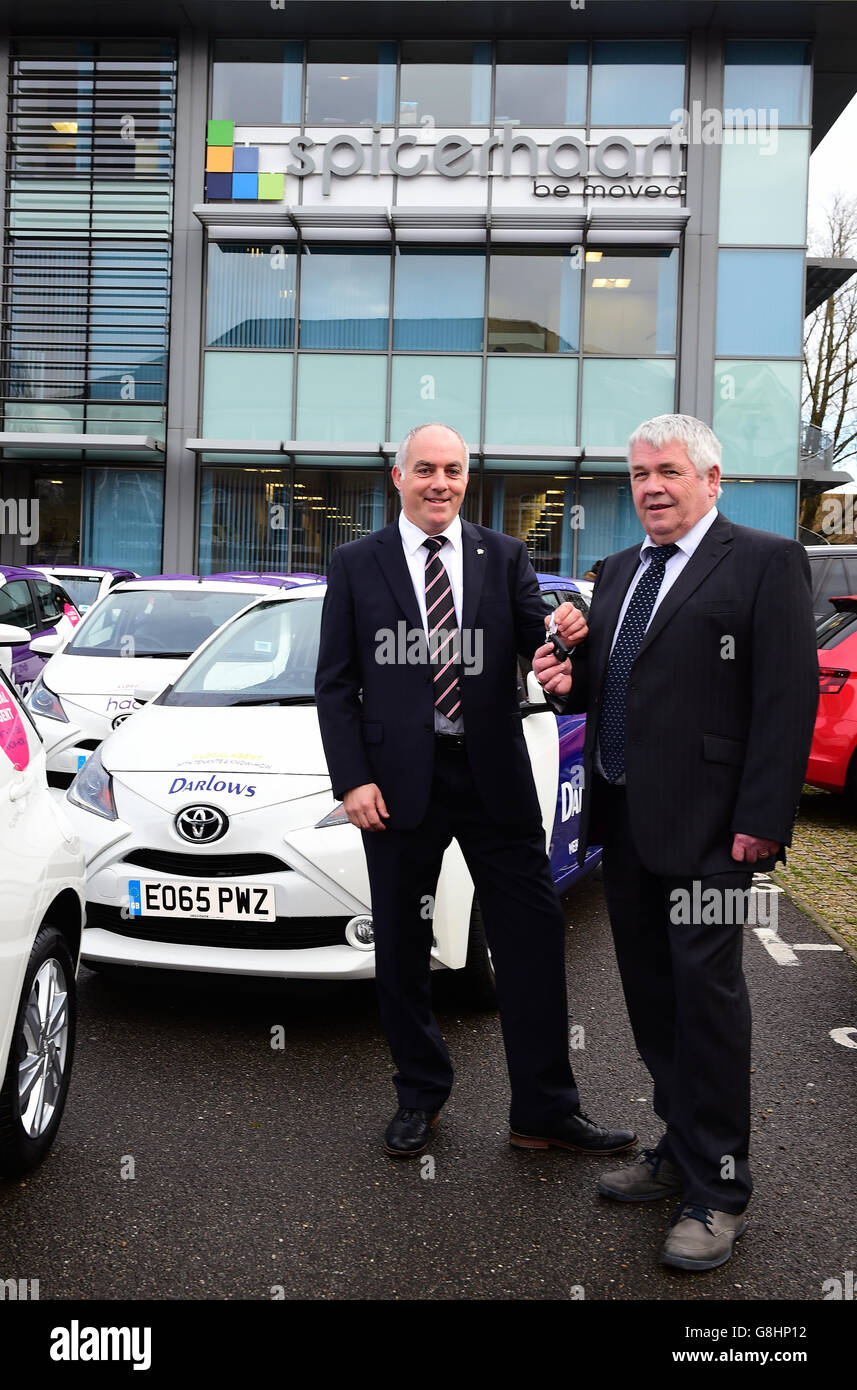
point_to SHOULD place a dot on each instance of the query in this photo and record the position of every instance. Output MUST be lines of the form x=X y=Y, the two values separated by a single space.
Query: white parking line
x=815 y=946
x=841 y=1036
x=780 y=950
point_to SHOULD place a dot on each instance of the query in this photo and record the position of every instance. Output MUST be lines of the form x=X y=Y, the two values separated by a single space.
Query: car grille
x=60 y=779
x=205 y=865
x=284 y=934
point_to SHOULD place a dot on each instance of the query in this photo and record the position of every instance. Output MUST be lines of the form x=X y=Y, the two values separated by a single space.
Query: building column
x=699 y=279
x=179 y=552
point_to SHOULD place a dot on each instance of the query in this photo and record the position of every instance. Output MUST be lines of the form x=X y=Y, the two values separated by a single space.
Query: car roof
x=19 y=572
x=84 y=571
x=194 y=581
x=813 y=550
x=554 y=581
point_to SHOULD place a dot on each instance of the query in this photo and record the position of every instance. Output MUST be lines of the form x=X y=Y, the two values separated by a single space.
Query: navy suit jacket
x=377 y=716
x=721 y=700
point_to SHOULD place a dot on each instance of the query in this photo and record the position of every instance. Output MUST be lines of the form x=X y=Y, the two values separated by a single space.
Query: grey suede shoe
x=644 y=1181
x=701 y=1238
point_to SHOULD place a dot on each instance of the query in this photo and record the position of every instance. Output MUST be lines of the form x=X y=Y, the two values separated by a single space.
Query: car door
x=18 y=607
x=22 y=853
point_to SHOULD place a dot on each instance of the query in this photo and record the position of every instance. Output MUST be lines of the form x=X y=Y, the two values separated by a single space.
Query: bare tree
x=830 y=341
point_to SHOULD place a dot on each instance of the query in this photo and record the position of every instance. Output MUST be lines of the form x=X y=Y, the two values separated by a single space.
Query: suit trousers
x=525 y=929
x=679 y=946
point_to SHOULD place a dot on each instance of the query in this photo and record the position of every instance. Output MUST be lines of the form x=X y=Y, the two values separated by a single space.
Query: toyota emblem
x=201 y=824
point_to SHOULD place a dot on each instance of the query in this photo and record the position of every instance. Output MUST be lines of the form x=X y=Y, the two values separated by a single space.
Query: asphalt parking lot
x=197 y=1161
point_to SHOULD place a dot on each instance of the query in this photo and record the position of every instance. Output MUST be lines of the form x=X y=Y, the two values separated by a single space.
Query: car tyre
x=37 y=1077
x=851 y=781
x=478 y=983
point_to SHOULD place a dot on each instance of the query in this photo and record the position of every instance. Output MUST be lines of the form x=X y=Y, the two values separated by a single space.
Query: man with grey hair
x=421 y=754
x=700 y=680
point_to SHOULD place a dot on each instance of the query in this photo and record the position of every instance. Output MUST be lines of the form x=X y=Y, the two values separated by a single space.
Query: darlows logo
x=214 y=784
x=76 y=1343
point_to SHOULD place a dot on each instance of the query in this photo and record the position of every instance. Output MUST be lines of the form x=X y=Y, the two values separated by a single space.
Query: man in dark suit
x=424 y=752
x=700 y=680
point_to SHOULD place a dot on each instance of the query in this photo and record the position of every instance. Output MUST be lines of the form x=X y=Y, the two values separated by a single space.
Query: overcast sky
x=833 y=166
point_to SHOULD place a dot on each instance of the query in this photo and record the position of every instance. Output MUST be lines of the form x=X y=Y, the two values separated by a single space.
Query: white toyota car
x=42 y=871
x=134 y=640
x=214 y=842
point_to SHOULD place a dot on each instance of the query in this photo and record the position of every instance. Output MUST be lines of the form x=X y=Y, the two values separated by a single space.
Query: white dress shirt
x=413 y=539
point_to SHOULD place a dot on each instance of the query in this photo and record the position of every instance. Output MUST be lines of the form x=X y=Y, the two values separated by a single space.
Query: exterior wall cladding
x=240 y=268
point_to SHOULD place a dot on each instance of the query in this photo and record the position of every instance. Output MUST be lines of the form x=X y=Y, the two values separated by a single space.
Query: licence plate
x=231 y=902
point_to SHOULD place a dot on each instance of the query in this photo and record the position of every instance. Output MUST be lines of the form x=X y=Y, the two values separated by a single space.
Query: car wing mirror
x=46 y=645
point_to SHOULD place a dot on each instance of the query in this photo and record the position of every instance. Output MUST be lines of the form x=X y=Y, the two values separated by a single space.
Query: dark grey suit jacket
x=377 y=718
x=721 y=700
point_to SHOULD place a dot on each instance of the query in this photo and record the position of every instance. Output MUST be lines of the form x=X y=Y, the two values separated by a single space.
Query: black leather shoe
x=577 y=1132
x=408 y=1132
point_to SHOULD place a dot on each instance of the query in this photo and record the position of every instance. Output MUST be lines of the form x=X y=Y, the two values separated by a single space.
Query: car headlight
x=43 y=701
x=338 y=816
x=92 y=788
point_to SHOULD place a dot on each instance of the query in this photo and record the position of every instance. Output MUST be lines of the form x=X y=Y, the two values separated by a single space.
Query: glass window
x=763 y=189
x=257 y=82
x=534 y=507
x=631 y=299
x=541 y=84
x=533 y=302
x=58 y=541
x=764 y=506
x=436 y=388
x=636 y=82
x=135 y=495
x=332 y=507
x=341 y=398
x=440 y=300
x=760 y=303
x=611 y=520
x=16 y=605
x=251 y=295
x=350 y=84
x=52 y=602
x=617 y=396
x=247 y=395
x=531 y=401
x=345 y=297
x=757 y=416
x=773 y=77
x=445 y=83
x=244 y=518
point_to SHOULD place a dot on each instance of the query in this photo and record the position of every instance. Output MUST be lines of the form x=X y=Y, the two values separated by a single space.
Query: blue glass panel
x=480 y=107
x=436 y=388
x=135 y=495
x=386 y=112
x=757 y=416
x=345 y=298
x=531 y=400
x=759 y=303
x=243 y=520
x=636 y=82
x=293 y=58
x=247 y=395
x=763 y=186
x=771 y=77
x=440 y=300
x=766 y=506
x=618 y=395
x=341 y=398
x=251 y=295
x=611 y=521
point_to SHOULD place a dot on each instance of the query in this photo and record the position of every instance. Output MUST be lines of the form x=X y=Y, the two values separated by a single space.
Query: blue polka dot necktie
x=611 y=725
x=443 y=632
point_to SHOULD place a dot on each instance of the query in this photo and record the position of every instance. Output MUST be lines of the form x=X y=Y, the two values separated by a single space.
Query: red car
x=833 y=756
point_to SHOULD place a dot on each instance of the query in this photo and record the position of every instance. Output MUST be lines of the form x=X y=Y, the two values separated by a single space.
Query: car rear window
x=833 y=630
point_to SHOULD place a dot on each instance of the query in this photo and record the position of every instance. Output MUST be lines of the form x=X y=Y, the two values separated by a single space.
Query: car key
x=561 y=651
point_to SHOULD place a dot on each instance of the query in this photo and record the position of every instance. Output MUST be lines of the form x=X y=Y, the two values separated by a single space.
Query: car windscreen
x=82 y=591
x=154 y=622
x=267 y=656
x=833 y=630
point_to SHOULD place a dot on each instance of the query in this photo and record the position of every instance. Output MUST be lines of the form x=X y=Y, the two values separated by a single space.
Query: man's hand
x=553 y=676
x=747 y=849
x=570 y=623
x=364 y=807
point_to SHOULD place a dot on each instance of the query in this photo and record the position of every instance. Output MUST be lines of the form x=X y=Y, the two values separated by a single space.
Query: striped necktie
x=443 y=632
x=611 y=726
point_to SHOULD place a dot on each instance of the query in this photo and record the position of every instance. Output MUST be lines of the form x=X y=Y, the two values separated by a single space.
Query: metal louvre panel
x=284 y=934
